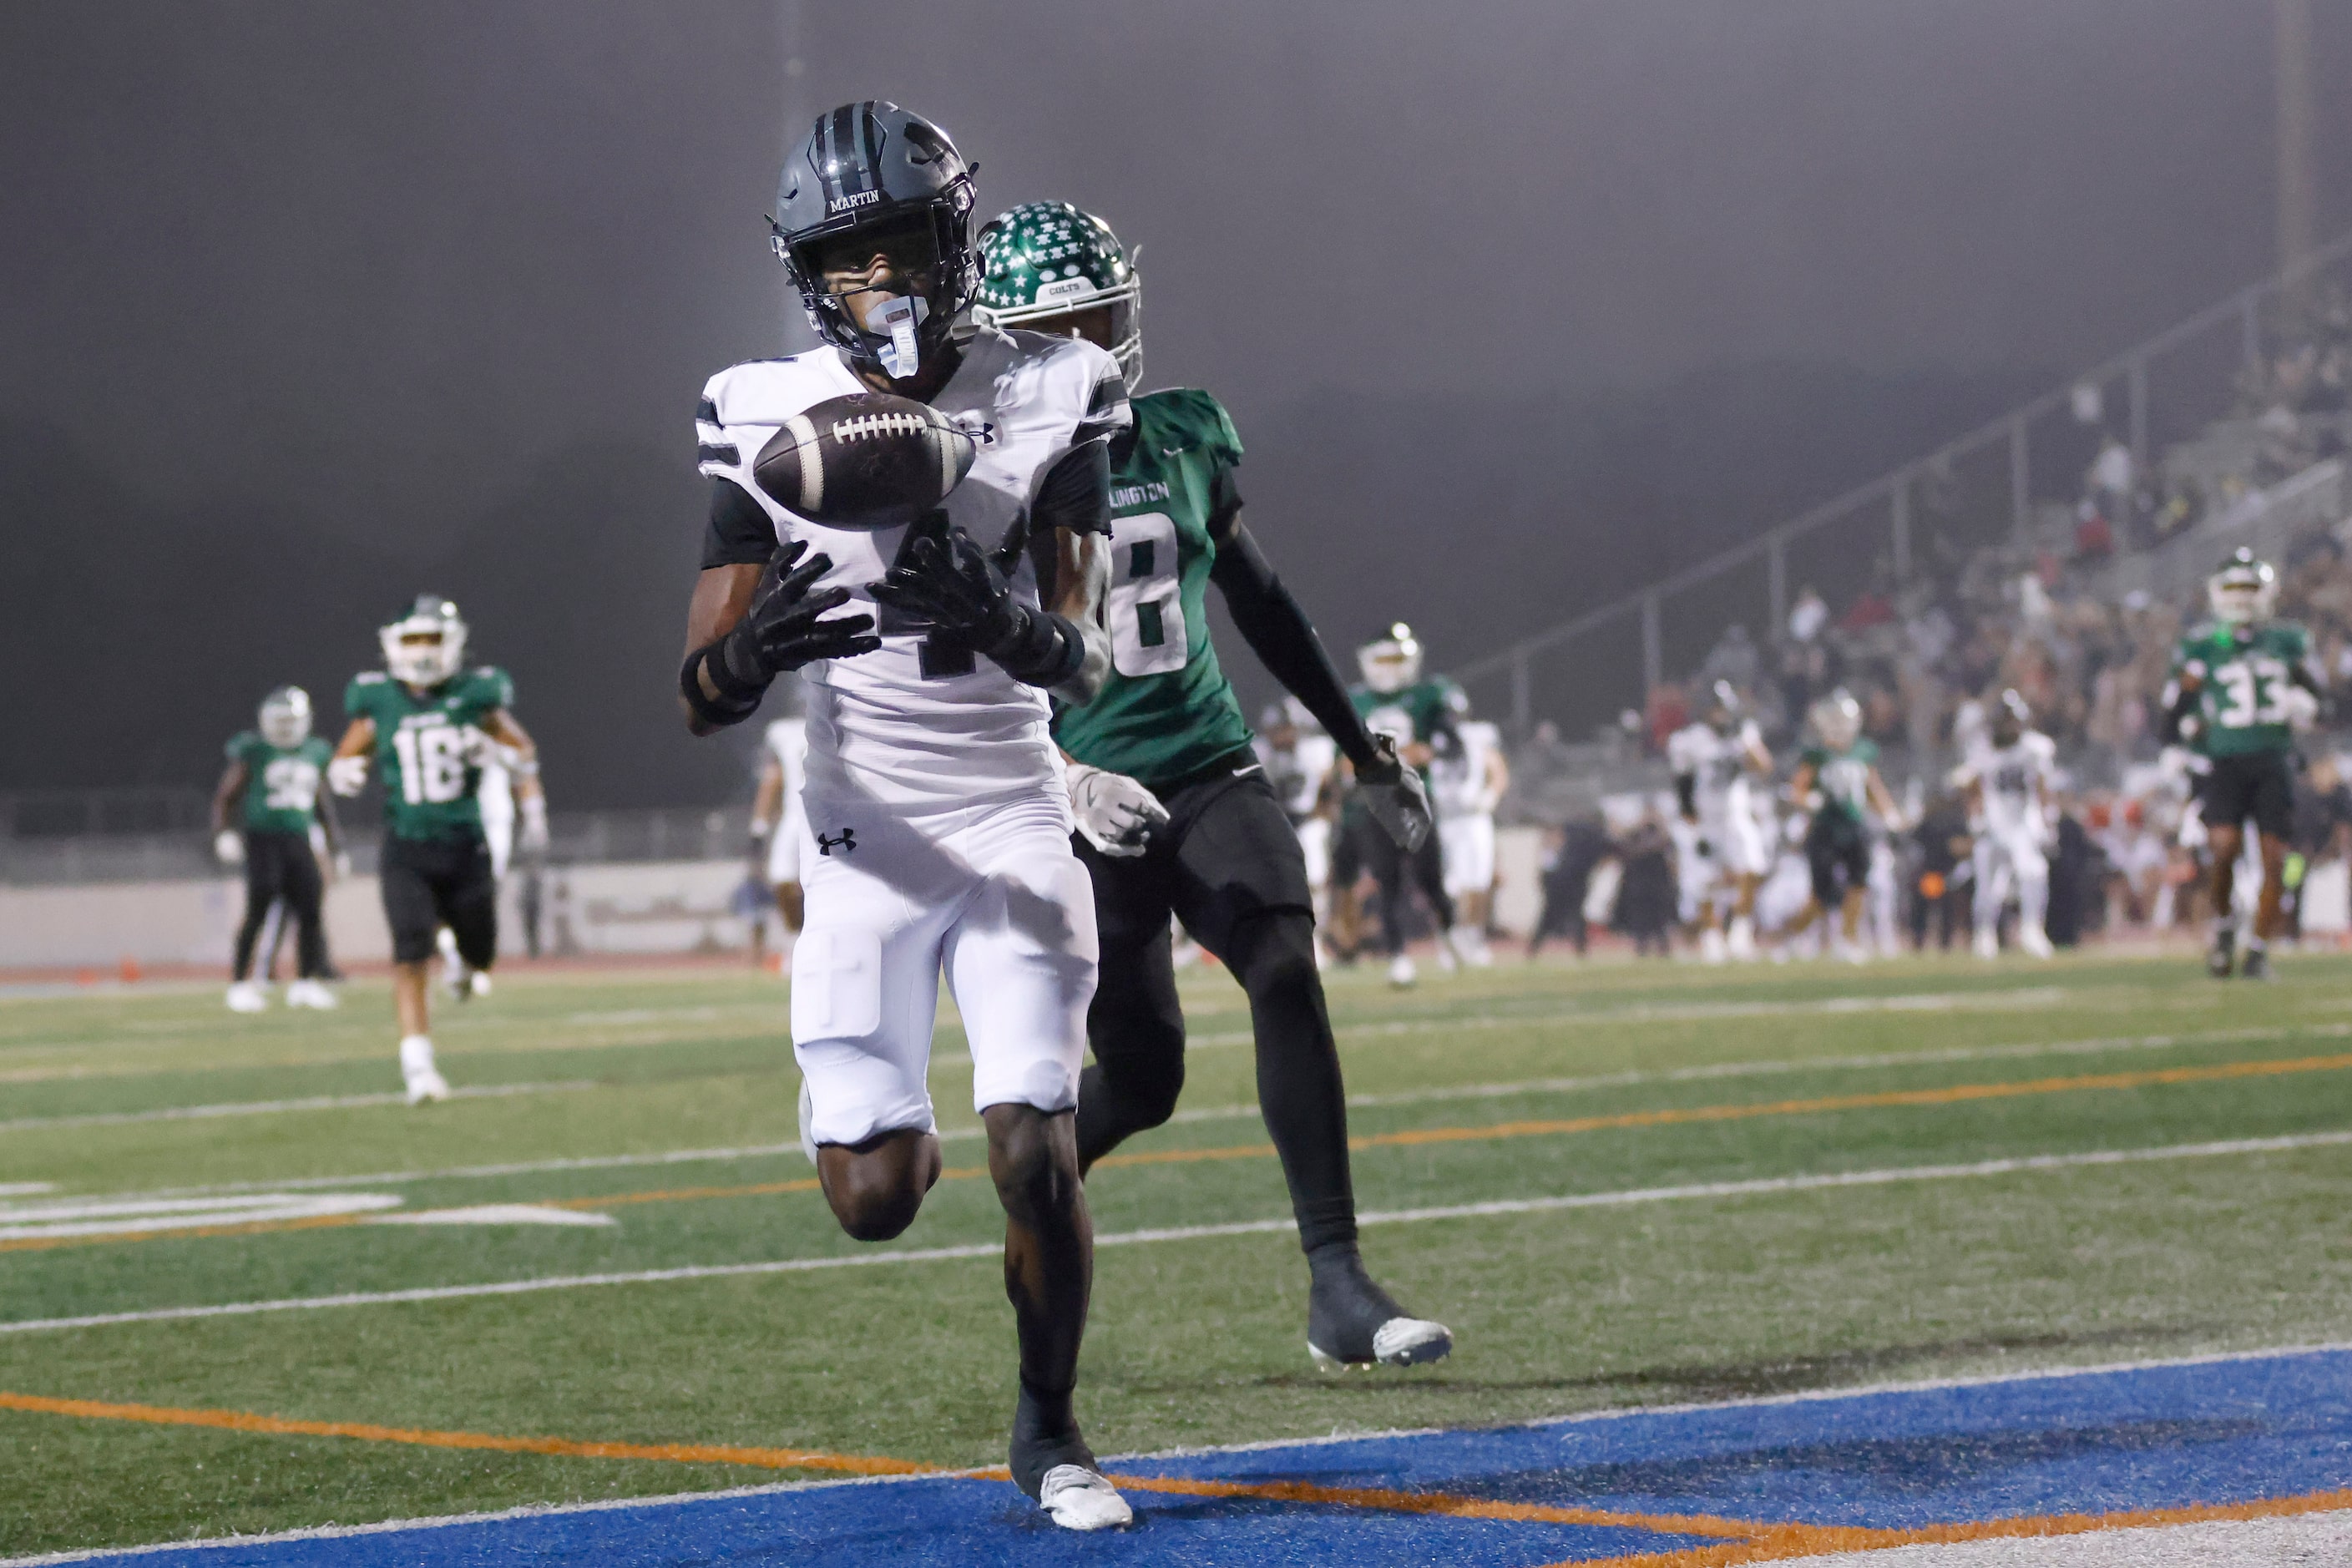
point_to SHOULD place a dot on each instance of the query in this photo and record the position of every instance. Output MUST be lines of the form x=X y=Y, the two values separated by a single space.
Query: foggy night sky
x=309 y=307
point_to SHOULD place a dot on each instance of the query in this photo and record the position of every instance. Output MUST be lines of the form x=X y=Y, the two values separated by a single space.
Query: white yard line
x=2096 y=1046
x=1768 y=1187
x=273 y=1107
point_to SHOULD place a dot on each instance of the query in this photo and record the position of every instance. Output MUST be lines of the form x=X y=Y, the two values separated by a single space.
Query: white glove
x=1115 y=814
x=533 y=836
x=347 y=775
x=228 y=847
x=2302 y=709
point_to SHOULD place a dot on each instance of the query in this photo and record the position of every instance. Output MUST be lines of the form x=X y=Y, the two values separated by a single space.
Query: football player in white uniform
x=1467 y=784
x=934 y=792
x=2008 y=784
x=777 y=817
x=1298 y=757
x=1715 y=762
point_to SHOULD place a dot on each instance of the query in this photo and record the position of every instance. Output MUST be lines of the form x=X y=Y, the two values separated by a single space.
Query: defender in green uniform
x=1419 y=714
x=263 y=812
x=1839 y=777
x=2242 y=683
x=424 y=719
x=1175 y=814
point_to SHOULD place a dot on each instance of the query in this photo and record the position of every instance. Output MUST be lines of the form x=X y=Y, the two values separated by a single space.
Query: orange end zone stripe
x=280 y=1427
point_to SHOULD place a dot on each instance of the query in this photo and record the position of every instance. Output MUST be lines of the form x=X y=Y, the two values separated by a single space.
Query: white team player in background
x=1716 y=761
x=777 y=816
x=2010 y=782
x=1298 y=758
x=934 y=792
x=1467 y=784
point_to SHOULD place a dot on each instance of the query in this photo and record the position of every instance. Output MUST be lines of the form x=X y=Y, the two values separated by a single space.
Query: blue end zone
x=2206 y=1433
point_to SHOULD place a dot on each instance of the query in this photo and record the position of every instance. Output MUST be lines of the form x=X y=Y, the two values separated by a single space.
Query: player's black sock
x=1044 y=1434
x=1299 y=1091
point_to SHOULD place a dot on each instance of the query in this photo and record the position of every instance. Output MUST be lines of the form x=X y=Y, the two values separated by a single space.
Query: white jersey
x=1459 y=785
x=1717 y=766
x=879 y=729
x=1298 y=771
x=2016 y=781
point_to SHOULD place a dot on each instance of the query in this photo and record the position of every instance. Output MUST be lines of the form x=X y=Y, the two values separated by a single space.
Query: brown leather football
x=864 y=459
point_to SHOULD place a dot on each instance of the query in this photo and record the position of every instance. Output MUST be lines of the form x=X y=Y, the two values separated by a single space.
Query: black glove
x=943 y=578
x=1395 y=795
x=780 y=631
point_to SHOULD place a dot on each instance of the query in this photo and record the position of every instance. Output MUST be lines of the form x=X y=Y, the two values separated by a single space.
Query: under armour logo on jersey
x=845 y=843
x=983 y=432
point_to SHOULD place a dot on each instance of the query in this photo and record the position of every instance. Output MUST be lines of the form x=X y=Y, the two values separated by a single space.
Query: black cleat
x=2256 y=964
x=2220 y=957
x=1352 y=1322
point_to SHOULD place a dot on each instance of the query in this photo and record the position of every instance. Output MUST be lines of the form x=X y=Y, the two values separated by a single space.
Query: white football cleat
x=310 y=993
x=2034 y=941
x=1987 y=944
x=1712 y=948
x=1399 y=1341
x=1402 y=973
x=1077 y=1498
x=416 y=1070
x=248 y=996
x=478 y=983
x=1740 y=945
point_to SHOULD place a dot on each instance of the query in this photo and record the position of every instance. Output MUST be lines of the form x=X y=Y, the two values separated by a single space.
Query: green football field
x=1619 y=1184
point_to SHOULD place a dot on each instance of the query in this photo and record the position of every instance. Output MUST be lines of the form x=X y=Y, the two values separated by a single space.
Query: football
x=866 y=459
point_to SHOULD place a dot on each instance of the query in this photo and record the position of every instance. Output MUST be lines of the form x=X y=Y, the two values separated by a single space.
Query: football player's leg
x=864 y=995
x=1991 y=868
x=1135 y=1024
x=410 y=913
x=305 y=892
x=1428 y=867
x=2274 y=815
x=2032 y=870
x=260 y=889
x=469 y=905
x=1021 y=960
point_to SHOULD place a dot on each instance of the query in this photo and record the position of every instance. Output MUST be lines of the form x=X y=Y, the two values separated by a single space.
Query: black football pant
x=1396 y=874
x=1228 y=865
x=428 y=883
x=280 y=866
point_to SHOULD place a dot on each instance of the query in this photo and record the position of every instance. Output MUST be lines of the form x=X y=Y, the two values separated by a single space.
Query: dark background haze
x=1517 y=304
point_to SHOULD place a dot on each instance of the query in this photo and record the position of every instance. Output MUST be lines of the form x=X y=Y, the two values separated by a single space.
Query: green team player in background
x=2243 y=684
x=1175 y=815
x=1418 y=712
x=1837 y=779
x=424 y=719
x=263 y=813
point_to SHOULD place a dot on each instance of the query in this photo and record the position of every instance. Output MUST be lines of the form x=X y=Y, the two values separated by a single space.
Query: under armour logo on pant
x=845 y=843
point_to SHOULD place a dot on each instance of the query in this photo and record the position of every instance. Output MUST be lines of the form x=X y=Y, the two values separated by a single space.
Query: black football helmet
x=872 y=172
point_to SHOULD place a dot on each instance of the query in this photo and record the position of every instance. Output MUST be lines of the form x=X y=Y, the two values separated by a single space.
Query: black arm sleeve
x=1284 y=639
x=1076 y=493
x=738 y=532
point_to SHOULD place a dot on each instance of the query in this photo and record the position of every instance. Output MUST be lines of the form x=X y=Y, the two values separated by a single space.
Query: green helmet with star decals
x=1044 y=259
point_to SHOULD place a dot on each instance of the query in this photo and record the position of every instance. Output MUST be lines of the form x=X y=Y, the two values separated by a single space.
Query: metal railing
x=1977 y=491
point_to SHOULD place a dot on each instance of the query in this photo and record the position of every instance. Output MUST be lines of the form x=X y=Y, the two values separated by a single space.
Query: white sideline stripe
x=30 y=1221
x=1362 y=1101
x=606 y=1505
x=1188 y=1233
x=25 y=1189
x=498 y=1214
x=270 y=1107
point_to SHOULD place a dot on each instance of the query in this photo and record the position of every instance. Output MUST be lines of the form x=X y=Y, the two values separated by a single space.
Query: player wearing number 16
x=2243 y=684
x=423 y=718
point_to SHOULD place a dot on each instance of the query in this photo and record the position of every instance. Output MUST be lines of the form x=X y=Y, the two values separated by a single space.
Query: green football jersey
x=1166 y=711
x=1422 y=712
x=281 y=783
x=2245 y=674
x=427 y=748
x=1843 y=777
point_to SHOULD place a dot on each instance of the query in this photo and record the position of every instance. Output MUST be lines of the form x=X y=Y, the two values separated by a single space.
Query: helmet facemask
x=913 y=268
x=1391 y=663
x=286 y=716
x=1837 y=719
x=2243 y=590
x=426 y=647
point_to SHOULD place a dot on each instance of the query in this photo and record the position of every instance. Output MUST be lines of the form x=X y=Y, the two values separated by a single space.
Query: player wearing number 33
x=939 y=820
x=2243 y=684
x=1175 y=814
x=425 y=721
